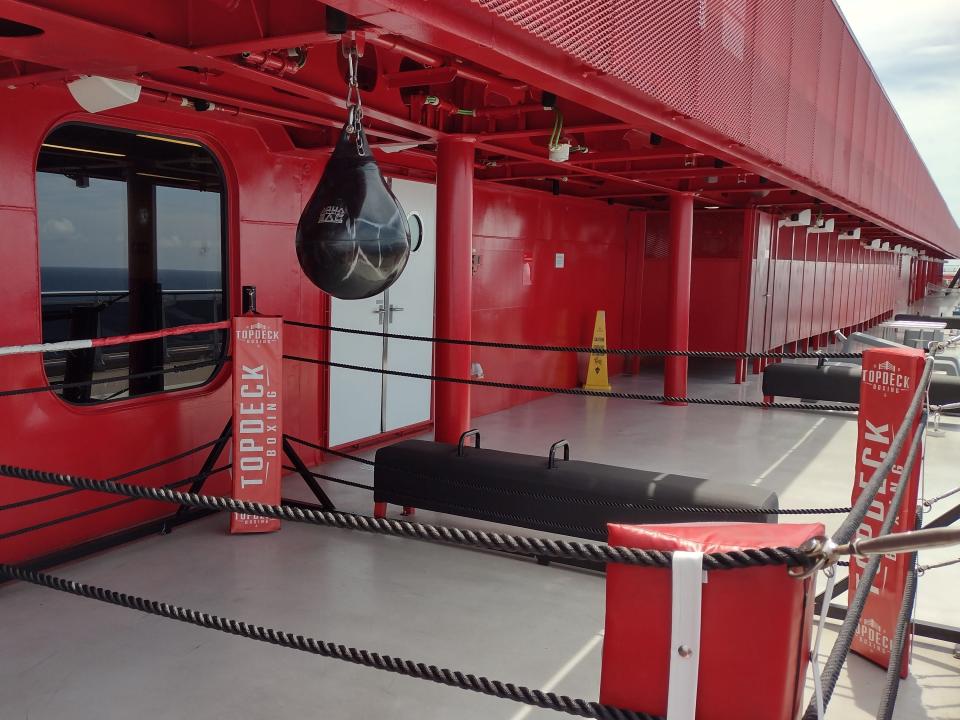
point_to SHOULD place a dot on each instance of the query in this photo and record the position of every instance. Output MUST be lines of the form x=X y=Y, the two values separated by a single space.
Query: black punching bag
x=353 y=239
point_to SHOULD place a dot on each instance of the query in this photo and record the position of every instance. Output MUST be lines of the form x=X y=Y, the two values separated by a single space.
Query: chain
x=354 y=102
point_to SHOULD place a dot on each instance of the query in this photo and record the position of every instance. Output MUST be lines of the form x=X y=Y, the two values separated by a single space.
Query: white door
x=407 y=401
x=364 y=404
x=355 y=396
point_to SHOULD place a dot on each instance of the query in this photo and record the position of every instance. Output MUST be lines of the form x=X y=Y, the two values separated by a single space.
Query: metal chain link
x=323 y=648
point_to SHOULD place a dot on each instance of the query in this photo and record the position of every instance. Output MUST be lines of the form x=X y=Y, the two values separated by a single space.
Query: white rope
x=46 y=347
x=815 y=652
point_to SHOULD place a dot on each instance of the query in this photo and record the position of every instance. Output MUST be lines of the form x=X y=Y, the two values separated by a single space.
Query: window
x=132 y=239
x=416 y=231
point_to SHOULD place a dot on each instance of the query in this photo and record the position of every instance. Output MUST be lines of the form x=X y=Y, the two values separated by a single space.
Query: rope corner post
x=685 y=656
x=892 y=389
x=257 y=426
x=894 y=386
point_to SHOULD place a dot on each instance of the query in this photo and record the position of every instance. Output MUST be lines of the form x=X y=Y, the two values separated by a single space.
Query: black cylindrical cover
x=353 y=239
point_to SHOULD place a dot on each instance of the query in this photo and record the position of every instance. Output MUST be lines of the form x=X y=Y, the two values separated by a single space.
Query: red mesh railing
x=785 y=78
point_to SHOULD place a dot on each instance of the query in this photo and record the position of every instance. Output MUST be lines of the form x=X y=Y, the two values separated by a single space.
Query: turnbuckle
x=822 y=553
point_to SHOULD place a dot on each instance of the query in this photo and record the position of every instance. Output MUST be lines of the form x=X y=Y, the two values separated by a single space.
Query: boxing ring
x=623 y=558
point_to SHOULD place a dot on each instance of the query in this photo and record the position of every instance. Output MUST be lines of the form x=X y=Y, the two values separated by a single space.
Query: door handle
x=380 y=312
x=393 y=309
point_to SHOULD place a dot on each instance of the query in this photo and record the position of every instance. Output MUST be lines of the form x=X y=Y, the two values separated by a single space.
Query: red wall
x=715 y=286
x=266 y=191
x=519 y=296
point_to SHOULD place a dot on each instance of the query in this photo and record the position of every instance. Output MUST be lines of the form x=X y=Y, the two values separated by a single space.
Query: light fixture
x=803 y=218
x=711 y=207
x=167 y=177
x=95 y=93
x=175 y=141
x=82 y=150
x=399 y=147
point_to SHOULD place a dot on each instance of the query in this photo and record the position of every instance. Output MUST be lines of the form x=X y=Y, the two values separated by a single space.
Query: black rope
x=635 y=352
x=870 y=490
x=366 y=658
x=577 y=391
x=122 y=476
x=575 y=500
x=547 y=547
x=841 y=647
x=888 y=699
x=330 y=451
x=54 y=386
x=100 y=508
x=331 y=478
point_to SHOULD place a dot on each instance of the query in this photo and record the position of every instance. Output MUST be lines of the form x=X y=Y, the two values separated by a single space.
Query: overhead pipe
x=200 y=105
x=429 y=59
x=274 y=63
x=164 y=92
x=499 y=111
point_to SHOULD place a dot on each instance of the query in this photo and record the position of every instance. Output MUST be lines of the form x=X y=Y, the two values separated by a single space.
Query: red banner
x=887 y=386
x=257 y=415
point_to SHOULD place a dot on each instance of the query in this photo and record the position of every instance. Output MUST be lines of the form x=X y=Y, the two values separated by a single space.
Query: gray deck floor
x=65 y=658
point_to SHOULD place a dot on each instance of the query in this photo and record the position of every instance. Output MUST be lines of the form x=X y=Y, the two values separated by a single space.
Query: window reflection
x=131 y=240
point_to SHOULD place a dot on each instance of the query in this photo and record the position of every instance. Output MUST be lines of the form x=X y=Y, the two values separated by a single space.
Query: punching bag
x=353 y=239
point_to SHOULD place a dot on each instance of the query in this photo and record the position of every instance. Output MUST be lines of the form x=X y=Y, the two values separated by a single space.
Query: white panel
x=355 y=396
x=407 y=401
x=687 y=576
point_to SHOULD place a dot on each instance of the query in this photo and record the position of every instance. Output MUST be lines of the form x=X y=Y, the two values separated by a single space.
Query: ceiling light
x=167 y=177
x=175 y=141
x=83 y=150
x=711 y=207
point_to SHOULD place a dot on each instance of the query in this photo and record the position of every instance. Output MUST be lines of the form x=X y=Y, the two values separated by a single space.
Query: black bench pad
x=952 y=321
x=839 y=383
x=569 y=499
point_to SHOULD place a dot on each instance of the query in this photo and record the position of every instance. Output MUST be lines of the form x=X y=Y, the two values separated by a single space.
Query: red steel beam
x=609 y=126
x=573 y=171
x=117 y=53
x=492 y=42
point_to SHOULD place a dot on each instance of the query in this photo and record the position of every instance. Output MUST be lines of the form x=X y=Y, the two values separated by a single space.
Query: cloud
x=62 y=227
x=914 y=48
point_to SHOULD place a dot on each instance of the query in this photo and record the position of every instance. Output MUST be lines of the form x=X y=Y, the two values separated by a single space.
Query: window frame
x=229 y=190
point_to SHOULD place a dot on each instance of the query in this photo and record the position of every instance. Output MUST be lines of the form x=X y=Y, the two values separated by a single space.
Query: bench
x=837 y=383
x=568 y=497
x=948 y=364
x=953 y=323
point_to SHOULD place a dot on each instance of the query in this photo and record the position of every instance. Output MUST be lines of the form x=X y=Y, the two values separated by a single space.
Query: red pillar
x=454 y=279
x=678 y=300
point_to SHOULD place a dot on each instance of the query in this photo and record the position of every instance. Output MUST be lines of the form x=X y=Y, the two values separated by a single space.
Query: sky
x=914 y=47
x=87 y=227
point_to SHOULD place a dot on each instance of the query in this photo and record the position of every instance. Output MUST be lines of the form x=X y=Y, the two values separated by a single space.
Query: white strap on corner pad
x=685 y=635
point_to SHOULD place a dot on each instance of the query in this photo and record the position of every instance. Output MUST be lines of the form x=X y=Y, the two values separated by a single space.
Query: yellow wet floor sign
x=597 y=367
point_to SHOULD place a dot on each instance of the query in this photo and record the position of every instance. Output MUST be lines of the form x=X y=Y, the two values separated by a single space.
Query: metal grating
x=785 y=78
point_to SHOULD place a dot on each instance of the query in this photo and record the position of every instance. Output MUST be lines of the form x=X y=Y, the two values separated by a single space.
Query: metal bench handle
x=463 y=439
x=552 y=460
